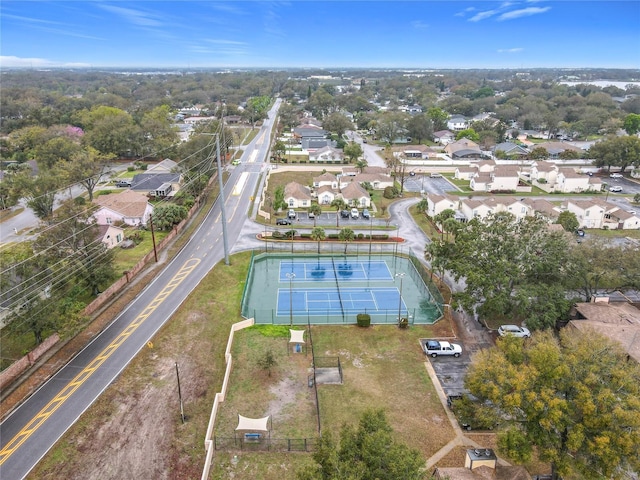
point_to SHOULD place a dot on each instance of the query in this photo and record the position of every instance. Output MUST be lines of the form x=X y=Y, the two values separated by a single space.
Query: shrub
x=403 y=323
x=360 y=236
x=363 y=319
x=390 y=192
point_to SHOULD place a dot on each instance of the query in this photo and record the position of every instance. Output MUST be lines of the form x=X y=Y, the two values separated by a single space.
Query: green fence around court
x=421 y=300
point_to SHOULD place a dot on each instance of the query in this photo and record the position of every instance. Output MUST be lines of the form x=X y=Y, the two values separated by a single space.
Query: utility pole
x=222 y=207
x=153 y=238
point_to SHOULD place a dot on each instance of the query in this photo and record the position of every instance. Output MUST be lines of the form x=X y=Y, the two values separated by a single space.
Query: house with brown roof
x=544 y=172
x=463 y=148
x=325 y=195
x=444 y=137
x=128 y=207
x=483 y=207
x=377 y=180
x=570 y=181
x=297 y=195
x=591 y=213
x=110 y=235
x=415 y=152
x=480 y=182
x=368 y=169
x=542 y=208
x=619 y=321
x=554 y=149
x=465 y=173
x=437 y=204
x=356 y=196
x=326 y=180
x=504 y=178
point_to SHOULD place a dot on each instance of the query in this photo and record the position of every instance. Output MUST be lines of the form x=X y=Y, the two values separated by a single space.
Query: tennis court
x=323 y=301
x=327 y=289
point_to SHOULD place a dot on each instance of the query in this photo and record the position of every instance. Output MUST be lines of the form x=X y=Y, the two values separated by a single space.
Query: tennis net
x=335 y=275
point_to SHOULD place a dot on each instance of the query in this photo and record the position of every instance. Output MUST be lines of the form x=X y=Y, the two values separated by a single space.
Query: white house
x=590 y=213
x=325 y=195
x=457 y=123
x=326 y=180
x=326 y=154
x=111 y=235
x=480 y=182
x=571 y=181
x=542 y=208
x=465 y=173
x=437 y=204
x=356 y=196
x=128 y=207
x=544 y=172
x=297 y=195
x=444 y=137
x=378 y=181
x=472 y=208
x=504 y=178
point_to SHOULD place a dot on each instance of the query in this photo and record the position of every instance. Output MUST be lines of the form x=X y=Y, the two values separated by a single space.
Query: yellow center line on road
x=86 y=372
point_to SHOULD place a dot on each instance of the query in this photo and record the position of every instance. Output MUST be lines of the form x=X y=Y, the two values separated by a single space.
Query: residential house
x=544 y=172
x=326 y=179
x=554 y=149
x=542 y=208
x=196 y=120
x=415 y=152
x=232 y=119
x=128 y=207
x=313 y=144
x=504 y=178
x=368 y=169
x=485 y=166
x=356 y=196
x=510 y=150
x=444 y=137
x=297 y=195
x=110 y=235
x=457 y=123
x=378 y=181
x=165 y=166
x=617 y=320
x=480 y=182
x=590 y=213
x=156 y=184
x=309 y=132
x=620 y=219
x=325 y=195
x=571 y=181
x=463 y=148
x=326 y=154
x=437 y=204
x=481 y=208
x=481 y=464
x=465 y=173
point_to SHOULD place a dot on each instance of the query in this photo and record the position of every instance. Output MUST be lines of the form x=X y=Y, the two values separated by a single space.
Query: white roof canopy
x=252 y=424
x=297 y=336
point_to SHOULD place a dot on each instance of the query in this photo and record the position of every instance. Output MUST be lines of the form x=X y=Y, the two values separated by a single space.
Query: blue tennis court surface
x=323 y=301
x=341 y=270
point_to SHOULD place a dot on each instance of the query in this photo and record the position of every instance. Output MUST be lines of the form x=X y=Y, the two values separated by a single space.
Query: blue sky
x=330 y=34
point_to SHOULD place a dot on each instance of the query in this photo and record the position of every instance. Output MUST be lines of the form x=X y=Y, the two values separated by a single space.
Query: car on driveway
x=412 y=174
x=123 y=183
x=435 y=175
x=283 y=221
x=291 y=214
x=436 y=347
x=514 y=330
x=615 y=189
x=365 y=214
x=344 y=213
x=616 y=175
x=355 y=213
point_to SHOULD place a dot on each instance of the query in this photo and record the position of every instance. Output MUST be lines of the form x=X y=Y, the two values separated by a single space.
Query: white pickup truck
x=435 y=348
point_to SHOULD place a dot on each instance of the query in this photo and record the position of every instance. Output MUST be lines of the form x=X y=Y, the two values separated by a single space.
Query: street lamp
x=291 y=276
x=401 y=276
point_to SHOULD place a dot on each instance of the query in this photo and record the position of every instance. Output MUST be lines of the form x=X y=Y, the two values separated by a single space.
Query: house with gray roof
x=156 y=185
x=326 y=154
x=510 y=150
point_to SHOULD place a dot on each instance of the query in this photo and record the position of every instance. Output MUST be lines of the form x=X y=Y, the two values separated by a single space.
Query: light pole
x=401 y=276
x=291 y=276
x=370 y=232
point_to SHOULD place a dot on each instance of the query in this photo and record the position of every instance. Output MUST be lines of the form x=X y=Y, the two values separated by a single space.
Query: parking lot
x=450 y=370
x=423 y=182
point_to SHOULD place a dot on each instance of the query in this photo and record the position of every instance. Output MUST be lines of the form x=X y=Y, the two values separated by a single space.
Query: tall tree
x=39 y=191
x=346 y=235
x=73 y=239
x=316 y=211
x=420 y=128
x=391 y=126
x=111 y=131
x=568 y=220
x=337 y=123
x=318 y=235
x=574 y=399
x=86 y=168
x=338 y=204
x=365 y=452
x=439 y=118
x=632 y=123
x=353 y=151
x=498 y=256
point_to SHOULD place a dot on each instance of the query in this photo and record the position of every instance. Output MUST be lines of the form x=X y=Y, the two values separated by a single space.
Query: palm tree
x=318 y=235
x=338 y=204
x=346 y=235
x=361 y=165
x=315 y=210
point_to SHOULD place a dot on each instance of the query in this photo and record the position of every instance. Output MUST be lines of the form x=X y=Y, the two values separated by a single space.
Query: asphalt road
x=32 y=429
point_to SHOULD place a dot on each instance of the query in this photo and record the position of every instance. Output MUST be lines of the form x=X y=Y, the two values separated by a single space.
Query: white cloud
x=524 y=12
x=419 y=24
x=8 y=61
x=136 y=17
x=510 y=50
x=482 y=15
